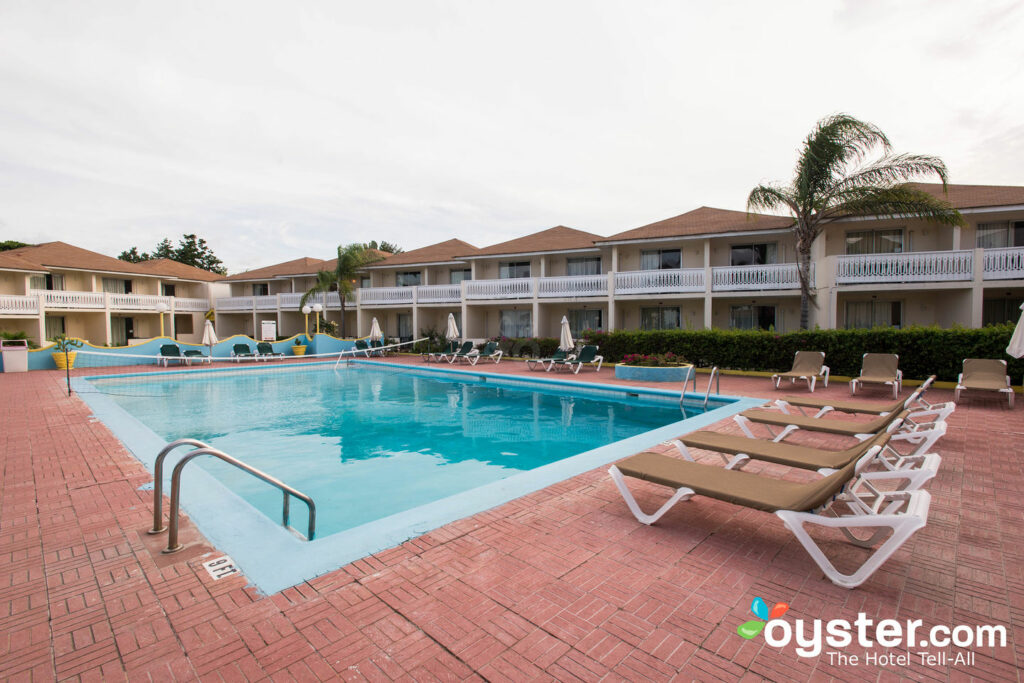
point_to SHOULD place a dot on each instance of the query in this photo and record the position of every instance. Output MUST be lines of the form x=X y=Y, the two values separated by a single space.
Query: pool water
x=366 y=442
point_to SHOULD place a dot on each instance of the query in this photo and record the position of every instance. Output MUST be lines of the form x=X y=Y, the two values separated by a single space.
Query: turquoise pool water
x=366 y=442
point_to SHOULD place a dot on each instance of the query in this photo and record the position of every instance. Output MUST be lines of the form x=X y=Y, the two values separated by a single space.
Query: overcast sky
x=277 y=130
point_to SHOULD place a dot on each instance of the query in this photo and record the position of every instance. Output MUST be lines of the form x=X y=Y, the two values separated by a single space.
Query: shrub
x=658 y=360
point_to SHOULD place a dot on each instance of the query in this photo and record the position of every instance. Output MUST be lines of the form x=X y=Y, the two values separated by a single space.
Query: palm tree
x=343 y=278
x=834 y=180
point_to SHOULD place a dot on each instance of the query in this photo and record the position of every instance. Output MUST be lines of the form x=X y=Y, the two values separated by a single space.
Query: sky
x=279 y=130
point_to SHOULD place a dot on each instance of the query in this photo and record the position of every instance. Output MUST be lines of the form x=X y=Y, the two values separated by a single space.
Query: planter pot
x=639 y=373
x=58 y=359
x=299 y=350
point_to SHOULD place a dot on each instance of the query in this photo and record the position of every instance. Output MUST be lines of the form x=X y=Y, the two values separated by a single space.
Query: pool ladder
x=206 y=449
x=715 y=377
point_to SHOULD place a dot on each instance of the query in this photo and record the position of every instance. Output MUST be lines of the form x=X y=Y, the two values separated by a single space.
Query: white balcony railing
x=769 y=276
x=507 y=288
x=915 y=266
x=14 y=304
x=137 y=302
x=235 y=303
x=660 y=281
x=1004 y=264
x=191 y=305
x=439 y=294
x=267 y=302
x=573 y=286
x=53 y=298
x=385 y=295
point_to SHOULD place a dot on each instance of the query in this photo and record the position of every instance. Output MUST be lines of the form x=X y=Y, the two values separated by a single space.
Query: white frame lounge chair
x=984 y=374
x=855 y=428
x=879 y=368
x=278 y=355
x=585 y=357
x=492 y=353
x=827 y=405
x=465 y=352
x=808 y=366
x=796 y=504
x=250 y=355
x=546 y=364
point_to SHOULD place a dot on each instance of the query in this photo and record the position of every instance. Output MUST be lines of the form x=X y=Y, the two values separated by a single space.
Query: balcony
x=234 y=303
x=509 y=288
x=762 y=277
x=136 y=302
x=439 y=294
x=660 y=281
x=191 y=305
x=916 y=266
x=13 y=304
x=1004 y=264
x=385 y=296
x=571 y=286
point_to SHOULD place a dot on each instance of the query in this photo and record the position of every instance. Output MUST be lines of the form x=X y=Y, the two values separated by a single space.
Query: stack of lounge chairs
x=868 y=491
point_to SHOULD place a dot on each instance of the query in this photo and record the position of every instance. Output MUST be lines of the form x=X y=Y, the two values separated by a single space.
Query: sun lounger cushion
x=781 y=453
x=820 y=424
x=984 y=373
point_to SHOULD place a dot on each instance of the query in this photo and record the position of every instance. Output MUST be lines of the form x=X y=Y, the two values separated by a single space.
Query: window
x=457 y=276
x=1000 y=235
x=364 y=282
x=752 y=317
x=405 y=327
x=868 y=314
x=408 y=279
x=584 y=319
x=47 y=281
x=260 y=289
x=587 y=265
x=183 y=324
x=875 y=242
x=54 y=326
x=516 y=324
x=167 y=290
x=753 y=254
x=121 y=330
x=659 y=318
x=997 y=311
x=511 y=269
x=661 y=259
x=117 y=285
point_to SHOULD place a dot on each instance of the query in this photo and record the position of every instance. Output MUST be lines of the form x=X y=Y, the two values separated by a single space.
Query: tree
x=342 y=279
x=191 y=250
x=835 y=180
x=384 y=246
x=7 y=245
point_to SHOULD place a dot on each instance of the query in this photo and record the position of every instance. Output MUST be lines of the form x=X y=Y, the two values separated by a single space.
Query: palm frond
x=894 y=169
x=836 y=143
x=903 y=201
x=770 y=198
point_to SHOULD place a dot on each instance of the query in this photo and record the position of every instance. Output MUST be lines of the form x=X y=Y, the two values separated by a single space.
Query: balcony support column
x=535 y=315
x=106 y=317
x=464 y=307
x=609 y=324
x=41 y=302
x=978 y=288
x=416 y=309
x=708 y=300
x=170 y=316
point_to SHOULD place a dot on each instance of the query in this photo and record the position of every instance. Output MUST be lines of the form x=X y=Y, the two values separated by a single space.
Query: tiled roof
x=182 y=271
x=63 y=255
x=9 y=261
x=976 y=196
x=558 y=238
x=703 y=221
x=300 y=266
x=442 y=252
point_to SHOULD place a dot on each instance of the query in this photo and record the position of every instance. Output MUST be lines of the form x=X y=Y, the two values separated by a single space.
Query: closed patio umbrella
x=1016 y=345
x=209 y=336
x=452 y=333
x=375 y=333
x=565 y=341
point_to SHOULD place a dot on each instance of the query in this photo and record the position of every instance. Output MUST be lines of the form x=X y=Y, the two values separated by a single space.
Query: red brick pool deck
x=562 y=584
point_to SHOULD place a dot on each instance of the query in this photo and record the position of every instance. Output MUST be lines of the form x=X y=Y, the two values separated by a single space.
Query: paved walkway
x=563 y=584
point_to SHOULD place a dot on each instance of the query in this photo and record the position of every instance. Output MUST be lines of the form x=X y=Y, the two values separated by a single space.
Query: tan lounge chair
x=828 y=405
x=796 y=504
x=879 y=368
x=984 y=374
x=808 y=366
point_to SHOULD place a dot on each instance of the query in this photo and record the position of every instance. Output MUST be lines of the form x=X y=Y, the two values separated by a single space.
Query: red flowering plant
x=654 y=360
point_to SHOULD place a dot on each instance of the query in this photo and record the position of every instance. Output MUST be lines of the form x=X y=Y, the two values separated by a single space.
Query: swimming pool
x=386 y=452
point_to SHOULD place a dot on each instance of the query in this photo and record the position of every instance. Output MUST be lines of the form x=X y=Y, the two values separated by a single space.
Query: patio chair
x=879 y=368
x=490 y=352
x=438 y=356
x=464 y=353
x=376 y=348
x=984 y=374
x=588 y=356
x=796 y=504
x=828 y=405
x=361 y=347
x=197 y=356
x=546 y=363
x=242 y=352
x=168 y=353
x=808 y=366
x=265 y=351
x=860 y=429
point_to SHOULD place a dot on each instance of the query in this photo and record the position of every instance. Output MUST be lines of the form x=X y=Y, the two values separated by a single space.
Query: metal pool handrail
x=206 y=449
x=718 y=386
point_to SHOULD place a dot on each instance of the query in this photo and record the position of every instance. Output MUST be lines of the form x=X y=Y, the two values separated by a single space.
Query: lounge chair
x=361 y=347
x=265 y=351
x=242 y=352
x=168 y=353
x=464 y=353
x=808 y=366
x=796 y=504
x=984 y=374
x=879 y=368
x=438 y=356
x=859 y=429
x=196 y=355
x=490 y=352
x=546 y=363
x=588 y=356
x=376 y=347
x=828 y=405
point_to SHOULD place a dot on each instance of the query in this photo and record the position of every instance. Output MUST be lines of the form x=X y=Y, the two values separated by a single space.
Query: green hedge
x=923 y=351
